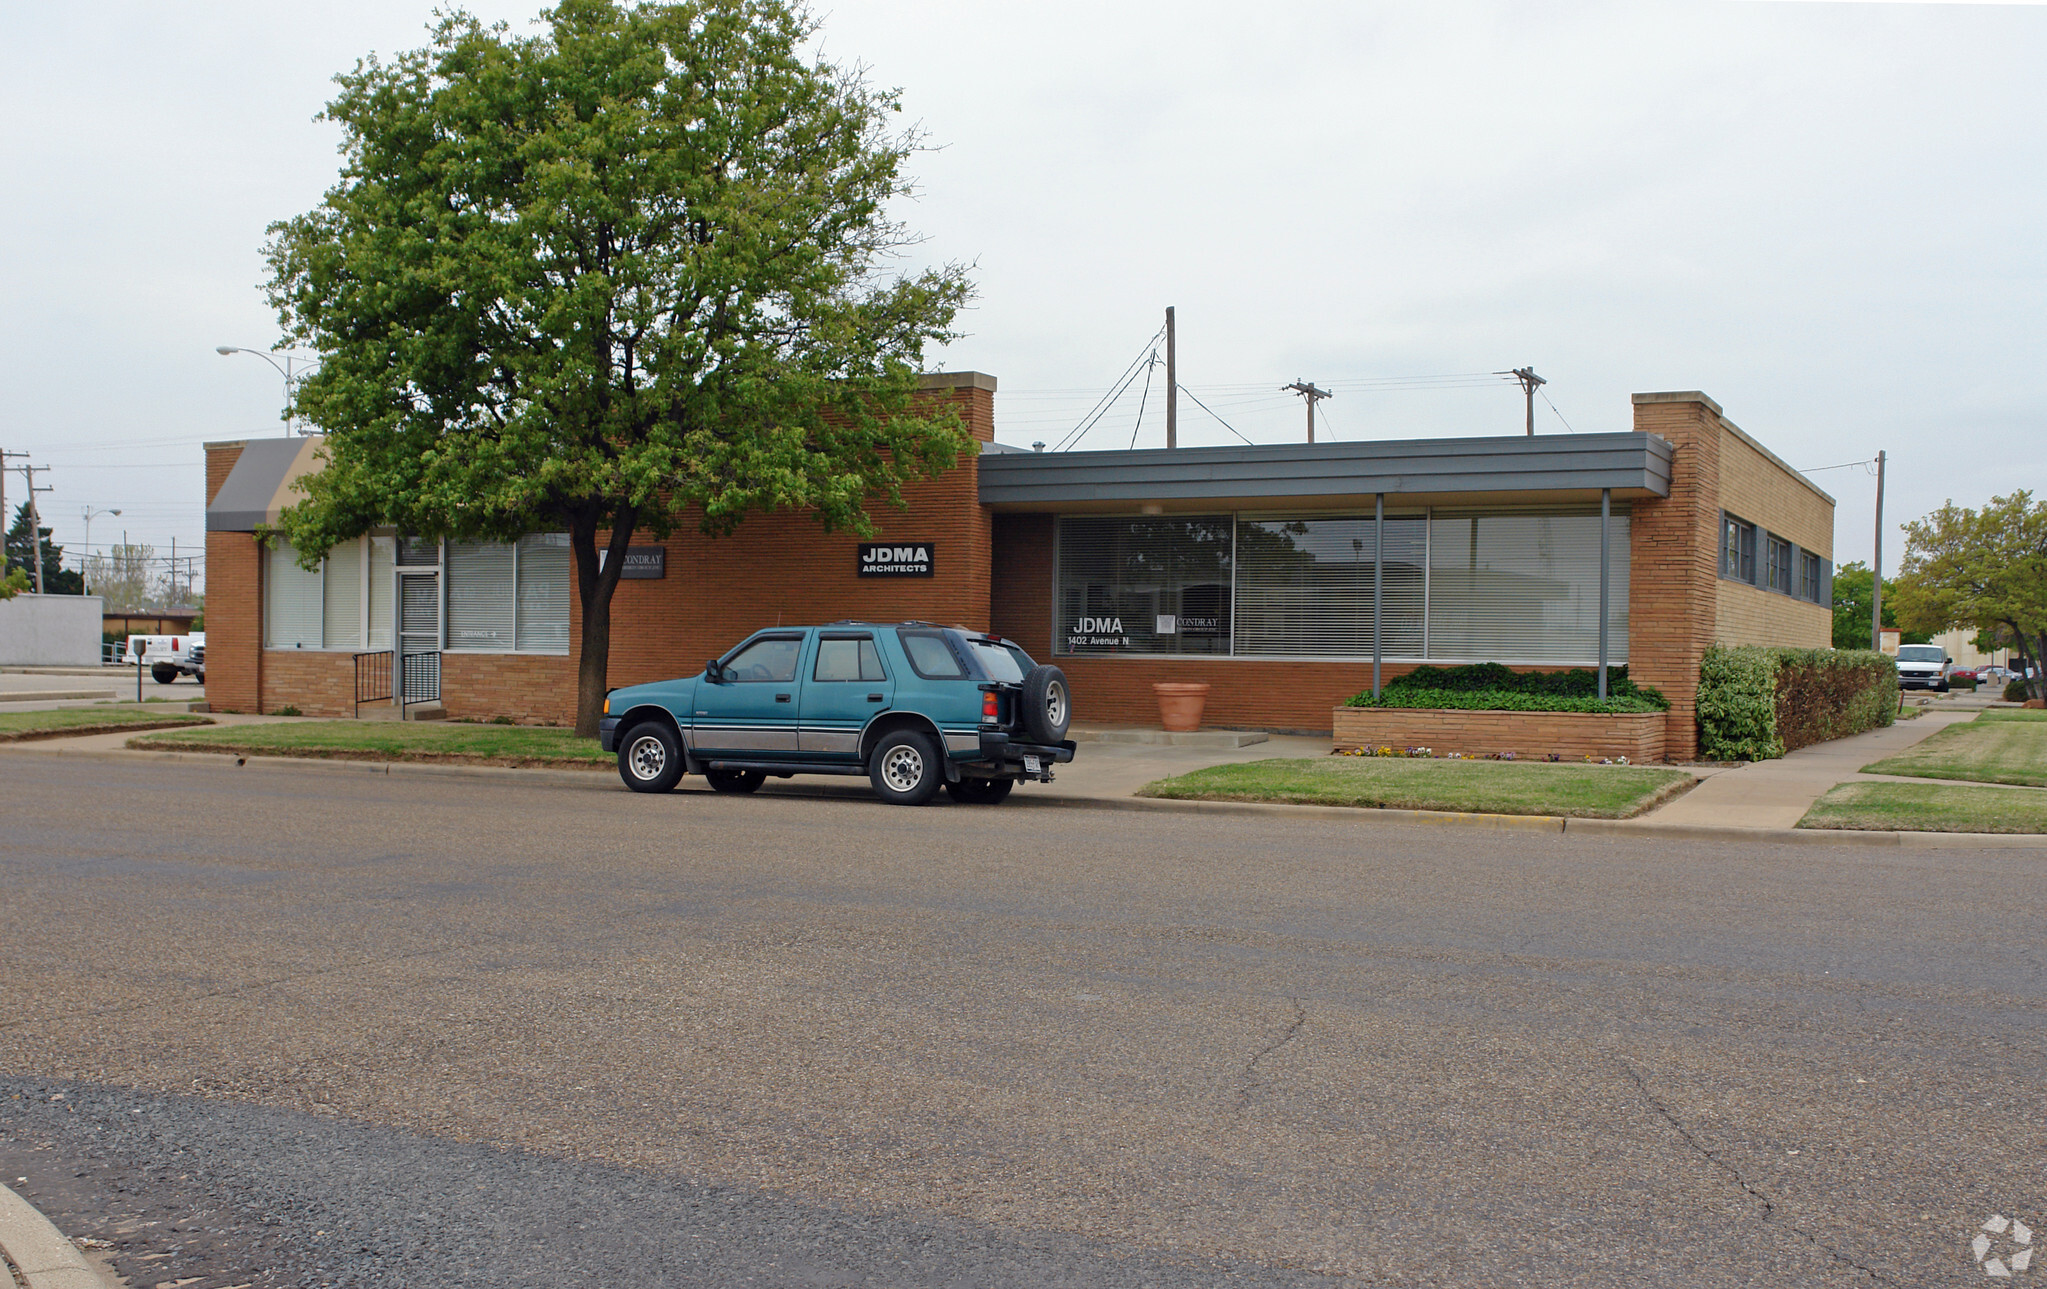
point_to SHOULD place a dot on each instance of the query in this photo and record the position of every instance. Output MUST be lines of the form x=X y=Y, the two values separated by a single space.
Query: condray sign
x=897 y=559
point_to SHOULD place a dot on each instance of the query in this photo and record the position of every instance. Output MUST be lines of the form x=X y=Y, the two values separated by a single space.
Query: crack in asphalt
x=1247 y=1081
x=1733 y=1173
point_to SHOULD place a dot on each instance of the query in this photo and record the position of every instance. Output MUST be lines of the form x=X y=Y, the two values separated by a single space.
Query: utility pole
x=1172 y=382
x=35 y=518
x=1876 y=572
x=1529 y=380
x=1308 y=392
x=4 y=468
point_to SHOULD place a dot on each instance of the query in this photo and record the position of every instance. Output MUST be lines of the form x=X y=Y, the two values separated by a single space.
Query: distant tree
x=626 y=274
x=1985 y=570
x=14 y=583
x=57 y=580
x=1852 y=587
x=123 y=576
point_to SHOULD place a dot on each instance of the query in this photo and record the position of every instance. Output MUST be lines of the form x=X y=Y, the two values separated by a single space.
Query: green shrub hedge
x=2016 y=692
x=1489 y=686
x=1755 y=703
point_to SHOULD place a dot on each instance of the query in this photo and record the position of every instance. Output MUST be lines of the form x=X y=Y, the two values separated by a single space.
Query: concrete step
x=1169 y=738
x=426 y=712
x=378 y=711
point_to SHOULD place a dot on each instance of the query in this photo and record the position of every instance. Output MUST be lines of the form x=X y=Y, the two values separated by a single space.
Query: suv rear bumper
x=1006 y=752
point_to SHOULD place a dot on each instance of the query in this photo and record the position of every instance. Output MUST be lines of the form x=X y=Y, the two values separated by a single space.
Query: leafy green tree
x=1852 y=583
x=628 y=273
x=14 y=583
x=1985 y=569
x=21 y=554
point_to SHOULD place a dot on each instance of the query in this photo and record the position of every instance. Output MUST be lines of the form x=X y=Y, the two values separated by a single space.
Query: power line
x=1560 y=415
x=1108 y=400
x=1144 y=398
x=1211 y=411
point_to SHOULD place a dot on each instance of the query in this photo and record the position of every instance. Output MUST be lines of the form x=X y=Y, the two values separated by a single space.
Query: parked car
x=912 y=706
x=1962 y=673
x=168 y=657
x=1923 y=667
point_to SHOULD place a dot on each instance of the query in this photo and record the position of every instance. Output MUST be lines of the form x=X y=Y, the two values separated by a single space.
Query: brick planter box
x=1531 y=736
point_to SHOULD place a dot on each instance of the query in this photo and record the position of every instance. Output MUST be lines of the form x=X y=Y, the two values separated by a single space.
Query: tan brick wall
x=234 y=623
x=1672 y=565
x=1533 y=736
x=1763 y=491
x=319 y=682
x=533 y=689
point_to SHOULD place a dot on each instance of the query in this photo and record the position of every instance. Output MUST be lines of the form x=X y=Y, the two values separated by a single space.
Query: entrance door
x=751 y=708
x=419 y=637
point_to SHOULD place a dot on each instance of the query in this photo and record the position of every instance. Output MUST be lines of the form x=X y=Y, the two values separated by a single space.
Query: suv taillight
x=991 y=710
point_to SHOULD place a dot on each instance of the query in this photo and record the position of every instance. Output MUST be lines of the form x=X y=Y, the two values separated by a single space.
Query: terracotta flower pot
x=1180 y=704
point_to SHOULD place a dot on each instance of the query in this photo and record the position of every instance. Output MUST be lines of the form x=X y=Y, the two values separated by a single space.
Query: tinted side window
x=930 y=657
x=847 y=660
x=771 y=661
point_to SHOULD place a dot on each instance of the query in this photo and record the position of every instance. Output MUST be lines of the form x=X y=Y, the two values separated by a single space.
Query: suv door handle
x=781 y=698
x=874 y=698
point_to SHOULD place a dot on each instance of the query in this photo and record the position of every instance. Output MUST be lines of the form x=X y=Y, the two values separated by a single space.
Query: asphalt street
x=302 y=1027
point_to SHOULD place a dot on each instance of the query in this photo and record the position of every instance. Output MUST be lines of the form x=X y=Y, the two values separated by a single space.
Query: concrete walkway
x=1776 y=794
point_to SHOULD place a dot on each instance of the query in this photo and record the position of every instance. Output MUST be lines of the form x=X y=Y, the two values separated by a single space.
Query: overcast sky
x=1828 y=216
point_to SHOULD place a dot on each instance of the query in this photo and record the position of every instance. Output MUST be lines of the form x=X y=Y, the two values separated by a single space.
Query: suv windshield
x=1921 y=653
x=1002 y=662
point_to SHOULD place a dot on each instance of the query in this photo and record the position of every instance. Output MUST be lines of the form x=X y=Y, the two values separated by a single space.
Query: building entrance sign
x=897 y=559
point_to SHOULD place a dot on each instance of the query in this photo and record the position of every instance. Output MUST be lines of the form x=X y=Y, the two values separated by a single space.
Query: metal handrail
x=372 y=678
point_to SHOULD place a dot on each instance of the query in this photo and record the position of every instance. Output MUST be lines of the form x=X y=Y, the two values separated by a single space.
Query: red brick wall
x=1672 y=565
x=234 y=622
x=1529 y=735
x=533 y=689
x=319 y=682
x=1020 y=582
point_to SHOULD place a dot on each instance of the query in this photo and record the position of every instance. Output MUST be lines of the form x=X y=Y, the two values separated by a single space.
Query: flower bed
x=1529 y=736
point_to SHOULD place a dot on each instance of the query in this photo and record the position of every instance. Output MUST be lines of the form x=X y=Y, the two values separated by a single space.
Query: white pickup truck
x=169 y=657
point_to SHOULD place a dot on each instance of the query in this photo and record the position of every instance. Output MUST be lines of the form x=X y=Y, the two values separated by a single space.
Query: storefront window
x=1524 y=587
x=1151 y=584
x=1304 y=586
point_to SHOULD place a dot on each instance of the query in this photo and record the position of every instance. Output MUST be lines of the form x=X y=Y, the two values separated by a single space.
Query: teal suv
x=914 y=707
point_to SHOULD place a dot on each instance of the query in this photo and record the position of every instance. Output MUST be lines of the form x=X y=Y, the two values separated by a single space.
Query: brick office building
x=1251 y=569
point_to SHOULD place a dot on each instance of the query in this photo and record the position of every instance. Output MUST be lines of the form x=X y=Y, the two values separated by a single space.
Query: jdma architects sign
x=897 y=559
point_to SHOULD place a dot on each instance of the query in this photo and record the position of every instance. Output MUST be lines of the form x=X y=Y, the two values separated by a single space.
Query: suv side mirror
x=712 y=670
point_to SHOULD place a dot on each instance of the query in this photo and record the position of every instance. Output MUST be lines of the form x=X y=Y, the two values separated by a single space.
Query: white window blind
x=1304 y=586
x=1155 y=584
x=291 y=601
x=1524 y=588
x=544 y=583
x=479 y=595
x=382 y=554
x=343 y=615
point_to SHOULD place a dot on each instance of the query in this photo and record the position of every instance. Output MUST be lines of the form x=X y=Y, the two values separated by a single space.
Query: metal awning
x=260 y=485
x=1577 y=467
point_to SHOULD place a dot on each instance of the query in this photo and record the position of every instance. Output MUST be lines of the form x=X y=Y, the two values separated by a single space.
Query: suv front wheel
x=650 y=758
x=905 y=769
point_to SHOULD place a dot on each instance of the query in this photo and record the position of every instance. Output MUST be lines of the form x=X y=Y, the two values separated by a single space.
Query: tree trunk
x=593 y=590
x=2037 y=664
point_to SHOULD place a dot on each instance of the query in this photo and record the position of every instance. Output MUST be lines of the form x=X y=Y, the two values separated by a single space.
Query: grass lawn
x=516 y=745
x=2005 y=746
x=67 y=722
x=1482 y=787
x=1928 y=807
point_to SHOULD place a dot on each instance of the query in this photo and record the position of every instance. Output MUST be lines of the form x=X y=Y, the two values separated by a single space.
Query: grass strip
x=510 y=745
x=1993 y=748
x=77 y=722
x=1928 y=807
x=1477 y=787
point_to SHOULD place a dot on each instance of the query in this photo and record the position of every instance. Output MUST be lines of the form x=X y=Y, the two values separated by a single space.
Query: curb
x=1636 y=829
x=39 y=1251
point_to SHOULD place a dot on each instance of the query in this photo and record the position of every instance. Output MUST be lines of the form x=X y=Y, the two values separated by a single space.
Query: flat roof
x=1566 y=467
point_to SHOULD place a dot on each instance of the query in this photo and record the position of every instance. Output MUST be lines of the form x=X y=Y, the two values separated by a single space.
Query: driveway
x=328 y=1028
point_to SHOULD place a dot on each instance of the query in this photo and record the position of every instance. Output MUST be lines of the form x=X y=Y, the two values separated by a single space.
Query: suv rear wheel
x=650 y=758
x=905 y=769
x=980 y=792
x=163 y=672
x=735 y=780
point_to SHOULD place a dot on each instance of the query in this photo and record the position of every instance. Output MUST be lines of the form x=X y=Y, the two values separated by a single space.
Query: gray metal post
x=1605 y=521
x=1378 y=577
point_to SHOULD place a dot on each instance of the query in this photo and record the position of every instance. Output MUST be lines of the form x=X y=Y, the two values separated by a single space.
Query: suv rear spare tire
x=905 y=769
x=1047 y=704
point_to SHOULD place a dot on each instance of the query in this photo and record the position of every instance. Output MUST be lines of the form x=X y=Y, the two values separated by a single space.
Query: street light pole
x=85 y=565
x=285 y=371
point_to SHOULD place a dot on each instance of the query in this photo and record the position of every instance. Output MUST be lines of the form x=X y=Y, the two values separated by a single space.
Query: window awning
x=260 y=485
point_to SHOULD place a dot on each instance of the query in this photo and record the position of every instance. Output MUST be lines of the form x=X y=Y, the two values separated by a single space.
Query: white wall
x=51 y=630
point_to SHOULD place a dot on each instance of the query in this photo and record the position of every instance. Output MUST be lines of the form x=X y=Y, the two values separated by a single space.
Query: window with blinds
x=1146 y=584
x=479 y=590
x=1524 y=587
x=382 y=557
x=342 y=615
x=1305 y=585
x=292 y=601
x=544 y=584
